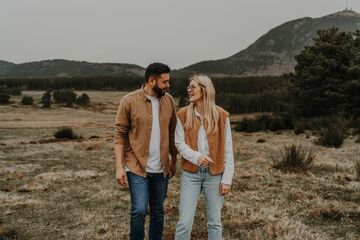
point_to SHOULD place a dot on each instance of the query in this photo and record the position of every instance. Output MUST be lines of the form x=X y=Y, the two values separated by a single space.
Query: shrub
x=46 y=99
x=26 y=100
x=4 y=98
x=246 y=125
x=354 y=123
x=276 y=124
x=83 y=100
x=46 y=96
x=46 y=103
x=331 y=137
x=300 y=127
x=263 y=122
x=15 y=91
x=287 y=121
x=318 y=124
x=65 y=133
x=293 y=159
x=66 y=96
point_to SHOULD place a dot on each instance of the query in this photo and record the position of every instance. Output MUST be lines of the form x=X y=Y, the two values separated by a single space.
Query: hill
x=274 y=52
x=67 y=68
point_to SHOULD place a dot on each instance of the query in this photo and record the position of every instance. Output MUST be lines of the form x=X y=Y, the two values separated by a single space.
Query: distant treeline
x=236 y=94
x=76 y=83
x=245 y=94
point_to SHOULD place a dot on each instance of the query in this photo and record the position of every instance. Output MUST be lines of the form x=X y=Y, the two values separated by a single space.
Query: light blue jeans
x=192 y=184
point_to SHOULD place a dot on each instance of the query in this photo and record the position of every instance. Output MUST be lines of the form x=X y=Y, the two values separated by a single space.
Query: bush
x=334 y=133
x=46 y=103
x=293 y=159
x=83 y=100
x=276 y=124
x=287 y=121
x=246 y=125
x=300 y=127
x=354 y=123
x=331 y=137
x=262 y=123
x=26 y=100
x=65 y=133
x=318 y=124
x=46 y=99
x=15 y=91
x=66 y=96
x=4 y=98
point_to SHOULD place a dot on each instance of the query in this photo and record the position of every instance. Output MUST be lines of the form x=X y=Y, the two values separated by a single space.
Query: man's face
x=162 y=84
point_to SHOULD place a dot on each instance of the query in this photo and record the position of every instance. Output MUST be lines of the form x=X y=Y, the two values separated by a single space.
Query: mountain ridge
x=273 y=53
x=67 y=68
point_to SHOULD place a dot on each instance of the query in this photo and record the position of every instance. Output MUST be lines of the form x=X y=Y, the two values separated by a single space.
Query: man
x=144 y=137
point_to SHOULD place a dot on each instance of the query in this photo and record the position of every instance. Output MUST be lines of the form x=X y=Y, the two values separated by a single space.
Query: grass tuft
x=66 y=133
x=293 y=159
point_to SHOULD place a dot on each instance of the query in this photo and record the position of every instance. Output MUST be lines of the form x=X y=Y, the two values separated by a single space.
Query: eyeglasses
x=191 y=87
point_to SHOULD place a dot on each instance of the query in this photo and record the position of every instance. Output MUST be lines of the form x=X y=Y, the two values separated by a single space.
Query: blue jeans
x=192 y=184
x=150 y=190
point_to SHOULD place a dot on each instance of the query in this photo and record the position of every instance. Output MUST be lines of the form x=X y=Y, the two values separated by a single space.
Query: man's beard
x=159 y=92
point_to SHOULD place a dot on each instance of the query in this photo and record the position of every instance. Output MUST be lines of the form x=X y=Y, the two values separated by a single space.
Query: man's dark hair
x=155 y=70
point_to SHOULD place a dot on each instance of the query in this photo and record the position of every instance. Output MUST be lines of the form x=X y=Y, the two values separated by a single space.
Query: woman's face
x=195 y=92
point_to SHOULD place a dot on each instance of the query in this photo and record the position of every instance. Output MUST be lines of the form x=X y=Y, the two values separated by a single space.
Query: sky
x=176 y=32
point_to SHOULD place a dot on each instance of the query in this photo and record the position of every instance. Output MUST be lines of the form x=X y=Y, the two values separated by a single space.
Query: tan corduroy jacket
x=133 y=130
x=216 y=142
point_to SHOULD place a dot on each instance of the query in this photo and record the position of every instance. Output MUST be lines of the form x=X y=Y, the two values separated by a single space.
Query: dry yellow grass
x=66 y=189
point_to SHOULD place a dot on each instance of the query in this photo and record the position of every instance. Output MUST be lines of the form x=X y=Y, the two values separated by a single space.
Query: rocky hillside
x=273 y=53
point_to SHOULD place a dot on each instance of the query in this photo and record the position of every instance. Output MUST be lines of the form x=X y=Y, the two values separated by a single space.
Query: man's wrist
x=120 y=168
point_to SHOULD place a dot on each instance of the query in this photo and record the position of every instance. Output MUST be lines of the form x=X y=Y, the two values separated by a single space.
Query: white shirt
x=154 y=162
x=203 y=148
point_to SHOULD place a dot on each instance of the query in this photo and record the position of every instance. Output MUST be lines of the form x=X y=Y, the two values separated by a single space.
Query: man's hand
x=121 y=177
x=224 y=189
x=204 y=160
x=172 y=166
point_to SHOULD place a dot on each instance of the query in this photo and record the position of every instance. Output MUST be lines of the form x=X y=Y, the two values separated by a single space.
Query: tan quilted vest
x=216 y=142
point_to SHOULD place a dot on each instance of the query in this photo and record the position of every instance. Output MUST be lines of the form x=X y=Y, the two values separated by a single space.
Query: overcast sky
x=176 y=32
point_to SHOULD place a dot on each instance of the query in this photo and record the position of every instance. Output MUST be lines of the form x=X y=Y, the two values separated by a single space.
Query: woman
x=203 y=139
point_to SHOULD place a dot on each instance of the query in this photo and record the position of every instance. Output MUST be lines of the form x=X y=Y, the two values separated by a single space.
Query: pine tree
x=46 y=99
x=327 y=77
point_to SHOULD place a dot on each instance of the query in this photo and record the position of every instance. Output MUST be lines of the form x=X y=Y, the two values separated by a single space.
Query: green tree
x=66 y=96
x=4 y=98
x=46 y=99
x=327 y=75
x=83 y=100
x=27 y=100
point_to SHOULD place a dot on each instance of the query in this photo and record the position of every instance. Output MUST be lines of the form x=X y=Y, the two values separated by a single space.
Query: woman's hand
x=224 y=188
x=204 y=160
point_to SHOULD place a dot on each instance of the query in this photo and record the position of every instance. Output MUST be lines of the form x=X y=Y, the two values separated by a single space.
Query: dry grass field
x=66 y=189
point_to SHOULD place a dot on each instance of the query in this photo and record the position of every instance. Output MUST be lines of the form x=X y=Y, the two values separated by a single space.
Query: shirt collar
x=143 y=93
x=197 y=114
x=145 y=97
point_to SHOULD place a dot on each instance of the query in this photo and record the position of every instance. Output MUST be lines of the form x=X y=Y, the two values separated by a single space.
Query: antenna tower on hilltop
x=347 y=6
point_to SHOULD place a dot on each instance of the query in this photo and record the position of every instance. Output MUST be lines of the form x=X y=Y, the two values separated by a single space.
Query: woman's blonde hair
x=211 y=115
